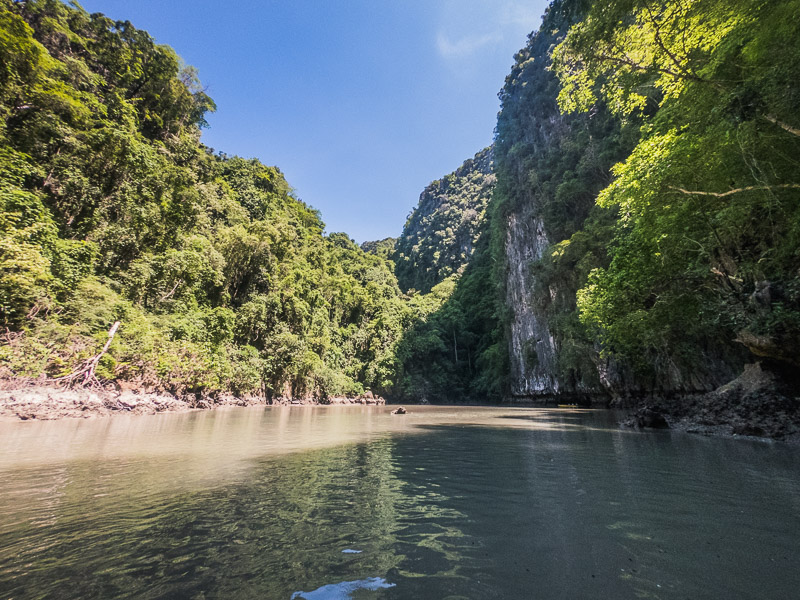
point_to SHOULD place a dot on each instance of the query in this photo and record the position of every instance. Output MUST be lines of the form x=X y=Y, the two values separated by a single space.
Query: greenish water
x=341 y=502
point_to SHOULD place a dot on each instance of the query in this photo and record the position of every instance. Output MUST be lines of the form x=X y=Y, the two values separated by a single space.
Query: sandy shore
x=28 y=402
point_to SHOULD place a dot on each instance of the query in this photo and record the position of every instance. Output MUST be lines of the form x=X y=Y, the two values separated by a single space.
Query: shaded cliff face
x=439 y=237
x=535 y=147
x=533 y=349
x=550 y=169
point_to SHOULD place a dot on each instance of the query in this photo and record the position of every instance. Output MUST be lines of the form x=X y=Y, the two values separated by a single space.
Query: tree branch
x=660 y=41
x=750 y=188
x=782 y=125
x=169 y=294
x=84 y=375
x=640 y=67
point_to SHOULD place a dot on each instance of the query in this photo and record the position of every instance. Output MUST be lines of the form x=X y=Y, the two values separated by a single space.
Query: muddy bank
x=20 y=401
x=763 y=402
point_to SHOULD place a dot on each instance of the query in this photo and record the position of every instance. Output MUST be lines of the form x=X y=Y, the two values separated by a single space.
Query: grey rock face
x=533 y=348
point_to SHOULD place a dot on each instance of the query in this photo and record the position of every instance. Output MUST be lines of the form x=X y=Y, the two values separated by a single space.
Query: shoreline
x=759 y=404
x=736 y=411
x=40 y=402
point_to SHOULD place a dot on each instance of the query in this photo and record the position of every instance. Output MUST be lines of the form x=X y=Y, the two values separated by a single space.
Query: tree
x=709 y=198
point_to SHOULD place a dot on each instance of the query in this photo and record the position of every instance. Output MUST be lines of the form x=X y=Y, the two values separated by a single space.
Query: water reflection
x=440 y=503
x=344 y=590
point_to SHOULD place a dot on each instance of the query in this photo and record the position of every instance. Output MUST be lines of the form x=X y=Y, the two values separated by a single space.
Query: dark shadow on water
x=545 y=417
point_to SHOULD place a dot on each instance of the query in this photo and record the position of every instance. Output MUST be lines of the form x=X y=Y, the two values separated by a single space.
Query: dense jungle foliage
x=111 y=209
x=439 y=236
x=706 y=248
x=657 y=142
x=546 y=165
x=383 y=248
x=551 y=166
x=455 y=349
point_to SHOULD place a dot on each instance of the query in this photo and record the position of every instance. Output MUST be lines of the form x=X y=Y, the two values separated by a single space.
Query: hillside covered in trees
x=633 y=231
x=666 y=202
x=440 y=235
x=642 y=235
x=112 y=210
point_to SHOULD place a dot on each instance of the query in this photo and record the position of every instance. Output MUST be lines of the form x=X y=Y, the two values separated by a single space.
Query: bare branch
x=12 y=336
x=750 y=188
x=172 y=291
x=84 y=375
x=35 y=309
x=782 y=125
x=52 y=169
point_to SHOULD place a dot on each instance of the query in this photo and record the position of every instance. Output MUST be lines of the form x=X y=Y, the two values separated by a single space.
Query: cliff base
x=764 y=401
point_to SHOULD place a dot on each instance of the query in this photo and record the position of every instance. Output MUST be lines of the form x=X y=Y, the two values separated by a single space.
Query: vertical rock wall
x=532 y=346
x=550 y=167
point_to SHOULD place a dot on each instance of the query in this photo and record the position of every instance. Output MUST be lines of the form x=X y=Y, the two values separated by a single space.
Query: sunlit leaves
x=707 y=200
x=110 y=208
x=640 y=51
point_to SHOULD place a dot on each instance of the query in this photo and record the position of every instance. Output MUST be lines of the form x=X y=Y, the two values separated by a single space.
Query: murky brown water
x=323 y=503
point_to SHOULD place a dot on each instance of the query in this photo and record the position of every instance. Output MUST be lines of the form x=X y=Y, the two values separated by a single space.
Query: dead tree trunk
x=84 y=375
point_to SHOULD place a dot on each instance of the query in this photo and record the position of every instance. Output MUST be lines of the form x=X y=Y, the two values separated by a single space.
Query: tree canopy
x=648 y=148
x=708 y=199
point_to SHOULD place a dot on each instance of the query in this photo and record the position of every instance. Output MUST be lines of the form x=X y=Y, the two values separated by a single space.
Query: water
x=339 y=502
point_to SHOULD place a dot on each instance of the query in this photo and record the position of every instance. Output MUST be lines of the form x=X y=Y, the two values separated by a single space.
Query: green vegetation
x=551 y=166
x=111 y=209
x=439 y=236
x=455 y=349
x=383 y=248
x=707 y=244
x=654 y=144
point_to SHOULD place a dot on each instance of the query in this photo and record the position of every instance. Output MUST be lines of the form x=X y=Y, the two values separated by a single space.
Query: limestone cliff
x=550 y=168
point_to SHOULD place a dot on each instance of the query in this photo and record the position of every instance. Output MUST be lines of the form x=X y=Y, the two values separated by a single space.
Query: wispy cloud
x=464 y=46
x=524 y=14
x=469 y=26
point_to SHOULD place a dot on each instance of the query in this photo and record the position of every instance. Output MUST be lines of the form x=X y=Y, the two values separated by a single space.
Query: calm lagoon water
x=352 y=502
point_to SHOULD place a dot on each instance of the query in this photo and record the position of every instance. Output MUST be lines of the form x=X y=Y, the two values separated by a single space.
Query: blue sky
x=361 y=103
